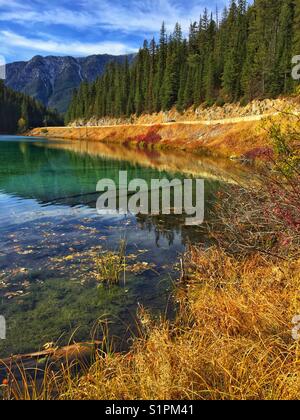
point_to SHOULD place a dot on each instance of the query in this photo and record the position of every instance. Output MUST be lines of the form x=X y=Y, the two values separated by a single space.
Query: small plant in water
x=110 y=265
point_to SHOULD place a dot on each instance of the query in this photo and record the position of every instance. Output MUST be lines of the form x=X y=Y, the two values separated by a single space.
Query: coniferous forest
x=238 y=54
x=19 y=112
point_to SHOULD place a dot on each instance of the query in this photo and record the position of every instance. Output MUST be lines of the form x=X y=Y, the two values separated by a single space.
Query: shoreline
x=227 y=138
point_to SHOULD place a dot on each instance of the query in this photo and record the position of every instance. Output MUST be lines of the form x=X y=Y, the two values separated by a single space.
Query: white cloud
x=115 y=18
x=146 y=15
x=126 y=16
x=11 y=39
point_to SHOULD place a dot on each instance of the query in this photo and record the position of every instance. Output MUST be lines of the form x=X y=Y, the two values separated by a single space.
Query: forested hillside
x=19 y=112
x=241 y=54
x=52 y=80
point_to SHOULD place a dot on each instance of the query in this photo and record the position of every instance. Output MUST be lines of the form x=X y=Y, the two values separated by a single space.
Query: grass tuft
x=110 y=265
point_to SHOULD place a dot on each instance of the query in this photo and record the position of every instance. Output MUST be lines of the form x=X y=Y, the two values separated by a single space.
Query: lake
x=51 y=234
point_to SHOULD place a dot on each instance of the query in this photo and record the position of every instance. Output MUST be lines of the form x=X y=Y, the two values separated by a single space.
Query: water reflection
x=50 y=233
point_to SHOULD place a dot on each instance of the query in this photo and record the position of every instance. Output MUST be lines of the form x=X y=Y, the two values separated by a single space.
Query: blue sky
x=85 y=27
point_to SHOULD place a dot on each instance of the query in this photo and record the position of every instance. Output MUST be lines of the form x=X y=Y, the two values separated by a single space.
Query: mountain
x=52 y=80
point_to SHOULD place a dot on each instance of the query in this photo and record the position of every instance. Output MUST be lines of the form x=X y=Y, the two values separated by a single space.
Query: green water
x=50 y=230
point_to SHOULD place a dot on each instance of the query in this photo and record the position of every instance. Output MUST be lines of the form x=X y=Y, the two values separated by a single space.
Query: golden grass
x=223 y=140
x=231 y=340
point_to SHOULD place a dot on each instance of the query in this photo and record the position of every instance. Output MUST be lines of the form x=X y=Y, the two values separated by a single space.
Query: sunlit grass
x=231 y=339
x=109 y=266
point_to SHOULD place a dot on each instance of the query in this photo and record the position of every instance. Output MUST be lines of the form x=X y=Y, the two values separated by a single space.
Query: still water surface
x=50 y=234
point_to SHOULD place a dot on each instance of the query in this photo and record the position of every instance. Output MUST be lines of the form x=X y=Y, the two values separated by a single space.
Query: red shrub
x=150 y=137
x=263 y=153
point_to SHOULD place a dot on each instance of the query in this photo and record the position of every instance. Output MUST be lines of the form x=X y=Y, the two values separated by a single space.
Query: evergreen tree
x=245 y=54
x=282 y=81
x=296 y=28
x=19 y=112
x=162 y=61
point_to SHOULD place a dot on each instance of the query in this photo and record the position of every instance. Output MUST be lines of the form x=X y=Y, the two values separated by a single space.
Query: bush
x=150 y=138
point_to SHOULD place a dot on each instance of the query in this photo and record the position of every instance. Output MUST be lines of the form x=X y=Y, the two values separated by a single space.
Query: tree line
x=19 y=112
x=240 y=55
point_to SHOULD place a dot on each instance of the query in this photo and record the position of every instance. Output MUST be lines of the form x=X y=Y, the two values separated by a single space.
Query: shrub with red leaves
x=151 y=137
x=262 y=153
x=284 y=202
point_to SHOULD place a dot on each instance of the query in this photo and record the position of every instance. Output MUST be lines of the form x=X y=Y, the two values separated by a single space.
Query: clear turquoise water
x=49 y=230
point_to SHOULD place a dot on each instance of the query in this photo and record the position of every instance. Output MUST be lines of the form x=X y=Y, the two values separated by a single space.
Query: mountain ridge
x=52 y=79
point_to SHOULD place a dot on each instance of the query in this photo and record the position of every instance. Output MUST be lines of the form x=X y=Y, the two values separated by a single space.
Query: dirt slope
x=229 y=138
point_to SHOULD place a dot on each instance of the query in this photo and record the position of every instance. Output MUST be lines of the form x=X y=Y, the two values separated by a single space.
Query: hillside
x=19 y=112
x=52 y=80
x=228 y=139
x=230 y=131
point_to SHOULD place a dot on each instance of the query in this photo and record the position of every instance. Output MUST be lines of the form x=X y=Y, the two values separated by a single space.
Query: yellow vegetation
x=228 y=139
x=232 y=339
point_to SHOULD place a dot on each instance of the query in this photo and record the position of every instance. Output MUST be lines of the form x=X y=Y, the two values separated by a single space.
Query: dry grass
x=225 y=140
x=231 y=340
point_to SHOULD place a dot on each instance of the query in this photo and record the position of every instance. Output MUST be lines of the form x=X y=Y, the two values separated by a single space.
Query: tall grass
x=232 y=339
x=110 y=265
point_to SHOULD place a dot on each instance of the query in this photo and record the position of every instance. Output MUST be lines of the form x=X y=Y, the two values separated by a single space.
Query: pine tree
x=231 y=60
x=245 y=54
x=25 y=114
x=260 y=65
x=282 y=81
x=150 y=102
x=209 y=77
x=162 y=61
x=171 y=82
x=19 y=112
x=296 y=30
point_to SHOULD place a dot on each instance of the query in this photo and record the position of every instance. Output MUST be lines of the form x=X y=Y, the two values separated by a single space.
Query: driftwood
x=35 y=364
